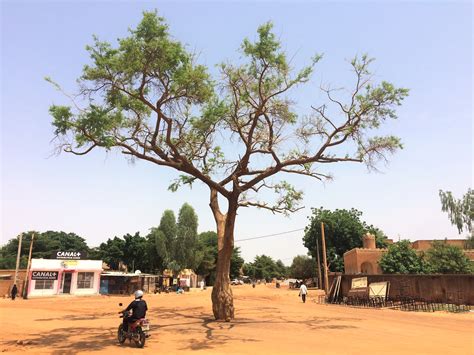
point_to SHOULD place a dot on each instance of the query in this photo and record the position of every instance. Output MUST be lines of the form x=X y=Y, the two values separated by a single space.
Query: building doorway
x=67 y=276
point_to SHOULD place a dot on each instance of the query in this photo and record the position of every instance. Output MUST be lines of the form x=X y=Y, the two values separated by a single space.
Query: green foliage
x=281 y=269
x=186 y=246
x=148 y=98
x=443 y=258
x=135 y=252
x=208 y=250
x=181 y=180
x=303 y=267
x=112 y=252
x=343 y=231
x=165 y=237
x=236 y=262
x=264 y=267
x=460 y=212
x=401 y=258
x=131 y=251
x=43 y=247
x=171 y=245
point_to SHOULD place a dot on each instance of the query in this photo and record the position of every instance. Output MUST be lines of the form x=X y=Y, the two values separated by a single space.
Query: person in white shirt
x=303 y=292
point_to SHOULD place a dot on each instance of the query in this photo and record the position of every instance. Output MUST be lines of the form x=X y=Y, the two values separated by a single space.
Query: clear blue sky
x=424 y=46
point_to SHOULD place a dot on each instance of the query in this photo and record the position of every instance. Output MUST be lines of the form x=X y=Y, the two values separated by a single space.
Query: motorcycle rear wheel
x=121 y=334
x=141 y=338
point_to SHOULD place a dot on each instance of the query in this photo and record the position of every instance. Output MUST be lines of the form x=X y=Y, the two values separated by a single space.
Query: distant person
x=303 y=292
x=14 y=292
x=202 y=285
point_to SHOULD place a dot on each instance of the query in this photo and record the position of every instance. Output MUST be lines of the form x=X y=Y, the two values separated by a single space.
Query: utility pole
x=25 y=282
x=320 y=279
x=326 y=280
x=18 y=259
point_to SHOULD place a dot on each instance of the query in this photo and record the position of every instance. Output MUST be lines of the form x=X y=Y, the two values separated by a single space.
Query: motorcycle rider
x=138 y=308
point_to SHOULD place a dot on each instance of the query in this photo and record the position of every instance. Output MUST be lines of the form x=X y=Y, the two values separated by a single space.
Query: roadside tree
x=147 y=98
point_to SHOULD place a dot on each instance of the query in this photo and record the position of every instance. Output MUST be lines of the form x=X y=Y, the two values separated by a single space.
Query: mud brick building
x=365 y=260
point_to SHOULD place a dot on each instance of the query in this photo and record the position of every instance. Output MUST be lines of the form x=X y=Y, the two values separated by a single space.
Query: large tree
x=343 y=231
x=147 y=98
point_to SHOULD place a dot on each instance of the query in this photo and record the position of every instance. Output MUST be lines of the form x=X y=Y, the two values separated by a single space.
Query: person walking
x=14 y=292
x=303 y=292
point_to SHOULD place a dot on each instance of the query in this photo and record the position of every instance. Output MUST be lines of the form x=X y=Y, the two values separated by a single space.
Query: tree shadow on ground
x=60 y=340
x=187 y=323
x=72 y=317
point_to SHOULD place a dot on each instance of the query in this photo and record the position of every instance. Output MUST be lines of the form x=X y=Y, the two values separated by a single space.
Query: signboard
x=359 y=282
x=378 y=289
x=44 y=275
x=69 y=263
x=69 y=255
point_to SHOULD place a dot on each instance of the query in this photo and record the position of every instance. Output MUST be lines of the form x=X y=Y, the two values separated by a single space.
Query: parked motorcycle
x=137 y=331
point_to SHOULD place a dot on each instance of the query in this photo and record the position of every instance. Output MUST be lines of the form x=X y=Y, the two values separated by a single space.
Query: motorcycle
x=137 y=331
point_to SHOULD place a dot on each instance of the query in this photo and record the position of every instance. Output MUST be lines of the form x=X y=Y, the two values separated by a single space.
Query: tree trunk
x=222 y=298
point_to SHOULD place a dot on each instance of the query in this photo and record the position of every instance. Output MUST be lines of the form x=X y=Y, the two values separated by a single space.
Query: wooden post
x=25 y=282
x=320 y=279
x=325 y=264
x=18 y=260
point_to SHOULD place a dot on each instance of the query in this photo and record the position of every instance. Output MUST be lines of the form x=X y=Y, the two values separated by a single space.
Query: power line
x=269 y=235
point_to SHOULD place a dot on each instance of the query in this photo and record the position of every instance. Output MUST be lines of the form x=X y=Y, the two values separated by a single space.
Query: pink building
x=50 y=277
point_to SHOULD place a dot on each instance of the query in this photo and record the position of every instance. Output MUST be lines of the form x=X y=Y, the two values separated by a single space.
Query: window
x=85 y=279
x=44 y=284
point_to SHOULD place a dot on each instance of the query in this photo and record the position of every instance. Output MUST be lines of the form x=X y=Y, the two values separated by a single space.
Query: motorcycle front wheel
x=121 y=334
x=140 y=340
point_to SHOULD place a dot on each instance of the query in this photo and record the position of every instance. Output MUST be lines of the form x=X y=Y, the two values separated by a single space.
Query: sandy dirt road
x=268 y=321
